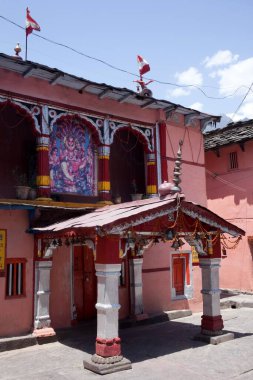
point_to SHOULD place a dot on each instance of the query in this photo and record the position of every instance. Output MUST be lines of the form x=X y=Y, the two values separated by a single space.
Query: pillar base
x=103 y=366
x=44 y=332
x=211 y=325
x=224 y=337
x=106 y=348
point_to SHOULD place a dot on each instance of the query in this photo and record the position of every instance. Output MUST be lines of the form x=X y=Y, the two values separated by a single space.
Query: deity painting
x=71 y=158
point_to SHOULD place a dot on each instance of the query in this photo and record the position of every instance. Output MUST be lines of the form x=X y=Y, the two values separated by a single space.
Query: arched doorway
x=127 y=165
x=18 y=149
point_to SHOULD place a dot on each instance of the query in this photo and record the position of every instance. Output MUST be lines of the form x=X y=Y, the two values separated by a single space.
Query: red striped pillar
x=104 y=185
x=162 y=137
x=43 y=173
x=151 y=189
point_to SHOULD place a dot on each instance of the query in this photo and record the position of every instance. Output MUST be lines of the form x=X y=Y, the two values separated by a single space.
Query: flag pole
x=26 y=46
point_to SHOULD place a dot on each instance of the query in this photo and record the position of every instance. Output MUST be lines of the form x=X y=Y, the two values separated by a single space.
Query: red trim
x=108 y=347
x=164 y=167
x=212 y=323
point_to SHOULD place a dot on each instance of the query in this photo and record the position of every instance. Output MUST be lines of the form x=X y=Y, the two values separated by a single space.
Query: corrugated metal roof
x=102 y=90
x=117 y=218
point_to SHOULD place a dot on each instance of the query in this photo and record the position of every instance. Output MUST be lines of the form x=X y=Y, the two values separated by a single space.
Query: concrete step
x=13 y=343
x=236 y=301
x=154 y=318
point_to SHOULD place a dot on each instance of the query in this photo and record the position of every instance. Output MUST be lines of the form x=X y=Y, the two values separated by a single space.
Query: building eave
x=55 y=77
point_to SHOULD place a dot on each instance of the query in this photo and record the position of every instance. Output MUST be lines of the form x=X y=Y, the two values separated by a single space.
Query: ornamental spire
x=177 y=170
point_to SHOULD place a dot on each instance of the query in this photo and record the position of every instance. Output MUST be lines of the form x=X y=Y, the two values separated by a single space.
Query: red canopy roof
x=120 y=217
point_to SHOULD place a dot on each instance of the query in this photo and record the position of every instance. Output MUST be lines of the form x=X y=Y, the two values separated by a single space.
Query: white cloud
x=197 y=106
x=213 y=74
x=190 y=76
x=221 y=58
x=179 y=91
x=245 y=112
x=237 y=77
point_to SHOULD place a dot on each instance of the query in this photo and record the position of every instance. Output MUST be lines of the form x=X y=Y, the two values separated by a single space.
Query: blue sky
x=207 y=43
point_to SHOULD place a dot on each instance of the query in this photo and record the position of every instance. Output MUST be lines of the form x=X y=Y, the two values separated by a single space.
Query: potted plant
x=134 y=191
x=22 y=188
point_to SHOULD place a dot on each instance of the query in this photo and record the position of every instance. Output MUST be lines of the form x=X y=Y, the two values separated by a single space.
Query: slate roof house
x=229 y=155
x=70 y=254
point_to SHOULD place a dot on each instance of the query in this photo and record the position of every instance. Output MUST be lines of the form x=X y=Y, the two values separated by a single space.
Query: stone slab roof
x=233 y=133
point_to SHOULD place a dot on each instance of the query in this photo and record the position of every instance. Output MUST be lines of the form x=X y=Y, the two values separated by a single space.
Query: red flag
x=31 y=24
x=143 y=65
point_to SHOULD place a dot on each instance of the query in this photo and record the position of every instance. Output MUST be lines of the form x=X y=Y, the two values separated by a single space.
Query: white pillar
x=108 y=342
x=42 y=321
x=107 y=358
x=136 y=287
x=212 y=322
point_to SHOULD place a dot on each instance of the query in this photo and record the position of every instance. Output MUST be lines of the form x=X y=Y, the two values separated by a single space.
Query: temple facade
x=94 y=221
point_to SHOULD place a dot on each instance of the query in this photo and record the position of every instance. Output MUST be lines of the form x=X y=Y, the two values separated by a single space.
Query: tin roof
x=120 y=217
x=233 y=133
x=101 y=90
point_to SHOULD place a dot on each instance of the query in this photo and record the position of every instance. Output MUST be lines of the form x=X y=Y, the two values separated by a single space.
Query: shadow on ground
x=141 y=343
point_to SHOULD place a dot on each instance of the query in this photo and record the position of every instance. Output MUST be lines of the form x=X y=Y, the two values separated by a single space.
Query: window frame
x=233 y=161
x=15 y=261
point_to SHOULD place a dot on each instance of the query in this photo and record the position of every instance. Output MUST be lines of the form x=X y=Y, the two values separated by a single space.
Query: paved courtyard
x=159 y=351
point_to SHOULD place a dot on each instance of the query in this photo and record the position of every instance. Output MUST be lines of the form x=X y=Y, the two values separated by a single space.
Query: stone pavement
x=158 y=351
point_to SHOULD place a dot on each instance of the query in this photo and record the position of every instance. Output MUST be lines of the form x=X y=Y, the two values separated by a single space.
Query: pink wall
x=12 y=82
x=60 y=299
x=230 y=195
x=19 y=244
x=193 y=171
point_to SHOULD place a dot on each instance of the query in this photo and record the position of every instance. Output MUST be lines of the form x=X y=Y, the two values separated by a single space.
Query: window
x=233 y=161
x=15 y=277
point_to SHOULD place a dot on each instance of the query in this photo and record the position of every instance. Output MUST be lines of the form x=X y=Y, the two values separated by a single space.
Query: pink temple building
x=229 y=192
x=76 y=246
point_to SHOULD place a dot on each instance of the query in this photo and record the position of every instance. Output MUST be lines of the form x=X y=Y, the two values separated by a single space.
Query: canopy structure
x=115 y=219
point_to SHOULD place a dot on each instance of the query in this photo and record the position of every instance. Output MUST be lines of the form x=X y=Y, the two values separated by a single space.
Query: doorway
x=85 y=283
x=179 y=275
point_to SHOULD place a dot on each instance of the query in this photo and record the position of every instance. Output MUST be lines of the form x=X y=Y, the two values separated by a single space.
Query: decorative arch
x=72 y=155
x=30 y=115
x=143 y=135
x=85 y=121
x=127 y=164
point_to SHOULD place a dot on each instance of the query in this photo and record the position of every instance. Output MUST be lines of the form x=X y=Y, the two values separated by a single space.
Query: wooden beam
x=241 y=145
x=104 y=93
x=83 y=88
x=28 y=72
x=217 y=152
x=124 y=98
x=56 y=79
x=189 y=118
x=147 y=104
